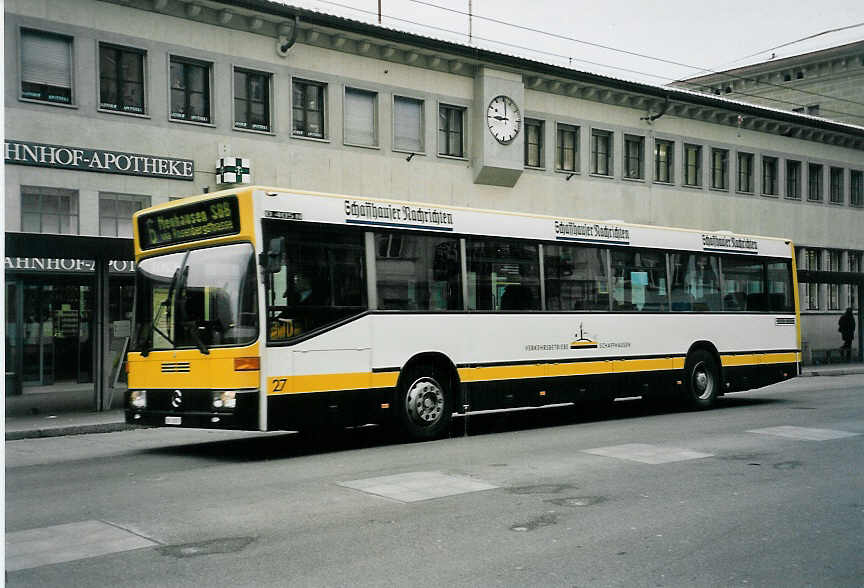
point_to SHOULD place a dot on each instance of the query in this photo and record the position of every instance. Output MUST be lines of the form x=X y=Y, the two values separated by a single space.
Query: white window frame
x=142 y=199
x=72 y=61
x=375 y=144
x=466 y=117
x=610 y=153
x=270 y=97
x=576 y=128
x=211 y=94
x=145 y=76
x=399 y=149
x=325 y=109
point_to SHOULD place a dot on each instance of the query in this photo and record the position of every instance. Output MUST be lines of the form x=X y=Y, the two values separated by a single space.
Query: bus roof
x=309 y=206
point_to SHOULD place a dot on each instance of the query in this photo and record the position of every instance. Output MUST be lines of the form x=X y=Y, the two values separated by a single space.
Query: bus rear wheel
x=425 y=405
x=702 y=379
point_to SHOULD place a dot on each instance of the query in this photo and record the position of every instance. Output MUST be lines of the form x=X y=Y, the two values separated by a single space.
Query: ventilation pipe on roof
x=287 y=37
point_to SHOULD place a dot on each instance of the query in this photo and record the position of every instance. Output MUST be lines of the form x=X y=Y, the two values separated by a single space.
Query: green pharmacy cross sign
x=233 y=170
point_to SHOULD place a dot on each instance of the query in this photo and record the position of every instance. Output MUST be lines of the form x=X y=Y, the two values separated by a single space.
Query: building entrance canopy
x=68 y=247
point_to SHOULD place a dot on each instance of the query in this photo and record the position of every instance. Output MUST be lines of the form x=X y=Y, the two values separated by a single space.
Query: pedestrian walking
x=846 y=326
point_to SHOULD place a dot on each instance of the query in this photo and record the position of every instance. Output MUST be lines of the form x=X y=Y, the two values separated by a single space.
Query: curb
x=848 y=372
x=71 y=430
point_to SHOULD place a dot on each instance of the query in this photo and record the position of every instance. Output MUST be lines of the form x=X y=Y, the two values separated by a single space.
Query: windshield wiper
x=166 y=305
x=181 y=310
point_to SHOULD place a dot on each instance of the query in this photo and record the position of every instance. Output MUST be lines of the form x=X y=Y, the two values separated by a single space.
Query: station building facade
x=115 y=105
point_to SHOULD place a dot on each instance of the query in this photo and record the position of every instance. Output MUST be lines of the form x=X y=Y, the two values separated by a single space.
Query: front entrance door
x=57 y=333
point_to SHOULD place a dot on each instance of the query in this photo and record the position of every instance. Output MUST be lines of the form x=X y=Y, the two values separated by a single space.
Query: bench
x=826 y=356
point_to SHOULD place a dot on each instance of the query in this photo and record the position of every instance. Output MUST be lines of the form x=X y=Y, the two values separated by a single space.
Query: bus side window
x=743 y=284
x=695 y=282
x=494 y=265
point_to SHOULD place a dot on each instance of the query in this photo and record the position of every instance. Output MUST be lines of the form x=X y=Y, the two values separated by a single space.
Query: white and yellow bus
x=270 y=309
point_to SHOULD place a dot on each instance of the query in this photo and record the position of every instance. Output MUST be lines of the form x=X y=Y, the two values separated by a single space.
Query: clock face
x=503 y=118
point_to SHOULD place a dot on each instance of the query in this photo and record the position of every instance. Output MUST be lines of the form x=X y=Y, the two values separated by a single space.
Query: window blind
x=359 y=117
x=46 y=59
x=409 y=124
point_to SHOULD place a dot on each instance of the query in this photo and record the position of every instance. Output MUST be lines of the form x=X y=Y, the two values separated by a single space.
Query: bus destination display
x=193 y=222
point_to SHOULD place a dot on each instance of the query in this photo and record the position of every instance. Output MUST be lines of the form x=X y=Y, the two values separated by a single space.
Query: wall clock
x=503 y=118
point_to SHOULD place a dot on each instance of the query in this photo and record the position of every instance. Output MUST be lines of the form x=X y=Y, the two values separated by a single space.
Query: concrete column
x=823 y=288
x=101 y=347
x=844 y=289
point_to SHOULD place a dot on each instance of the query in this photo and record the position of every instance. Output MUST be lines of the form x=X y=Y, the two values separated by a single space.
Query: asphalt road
x=766 y=490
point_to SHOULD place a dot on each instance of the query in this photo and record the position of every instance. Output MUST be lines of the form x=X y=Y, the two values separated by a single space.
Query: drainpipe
x=287 y=37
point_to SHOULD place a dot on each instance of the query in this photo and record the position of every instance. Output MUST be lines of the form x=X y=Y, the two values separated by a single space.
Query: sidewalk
x=53 y=411
x=53 y=414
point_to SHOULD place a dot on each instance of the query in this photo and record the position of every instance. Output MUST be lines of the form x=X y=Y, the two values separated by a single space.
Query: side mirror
x=271 y=260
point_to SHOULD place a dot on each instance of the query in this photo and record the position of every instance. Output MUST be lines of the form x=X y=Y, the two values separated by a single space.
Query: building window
x=308 y=107
x=361 y=121
x=745 y=172
x=836 y=185
x=814 y=182
x=567 y=148
x=720 y=169
x=813 y=289
x=252 y=100
x=793 y=180
x=634 y=157
x=451 y=130
x=601 y=153
x=115 y=213
x=121 y=79
x=663 y=155
x=833 y=289
x=533 y=143
x=49 y=210
x=856 y=187
x=46 y=67
x=692 y=165
x=190 y=90
x=408 y=124
x=769 y=176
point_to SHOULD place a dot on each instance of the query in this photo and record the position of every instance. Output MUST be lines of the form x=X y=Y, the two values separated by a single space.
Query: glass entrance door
x=38 y=335
x=57 y=333
x=13 y=338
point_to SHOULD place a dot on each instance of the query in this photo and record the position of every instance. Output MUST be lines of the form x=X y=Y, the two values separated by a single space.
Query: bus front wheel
x=425 y=403
x=702 y=378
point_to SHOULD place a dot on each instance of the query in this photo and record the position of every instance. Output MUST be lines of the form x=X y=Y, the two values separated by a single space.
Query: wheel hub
x=703 y=382
x=425 y=402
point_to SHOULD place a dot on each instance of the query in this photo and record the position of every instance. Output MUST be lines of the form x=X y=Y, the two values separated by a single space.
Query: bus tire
x=425 y=403
x=702 y=380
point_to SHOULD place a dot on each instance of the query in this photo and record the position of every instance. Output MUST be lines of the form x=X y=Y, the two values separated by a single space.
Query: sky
x=685 y=38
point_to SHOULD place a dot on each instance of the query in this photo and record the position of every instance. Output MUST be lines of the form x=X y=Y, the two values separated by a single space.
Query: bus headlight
x=224 y=399
x=138 y=398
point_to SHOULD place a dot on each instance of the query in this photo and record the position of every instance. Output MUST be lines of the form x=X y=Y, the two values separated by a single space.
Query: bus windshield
x=197 y=298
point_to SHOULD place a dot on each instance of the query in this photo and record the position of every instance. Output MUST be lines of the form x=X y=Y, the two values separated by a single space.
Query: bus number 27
x=279 y=385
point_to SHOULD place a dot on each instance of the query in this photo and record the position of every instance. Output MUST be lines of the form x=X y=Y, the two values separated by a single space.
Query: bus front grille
x=172 y=367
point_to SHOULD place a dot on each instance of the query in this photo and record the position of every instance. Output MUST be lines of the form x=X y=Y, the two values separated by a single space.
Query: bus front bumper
x=192 y=409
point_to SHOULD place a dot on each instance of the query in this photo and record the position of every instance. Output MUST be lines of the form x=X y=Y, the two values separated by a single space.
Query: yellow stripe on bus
x=364 y=380
x=758 y=359
x=546 y=370
x=330 y=382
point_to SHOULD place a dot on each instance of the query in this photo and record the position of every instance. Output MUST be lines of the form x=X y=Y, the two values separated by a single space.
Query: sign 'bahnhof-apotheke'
x=98 y=160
